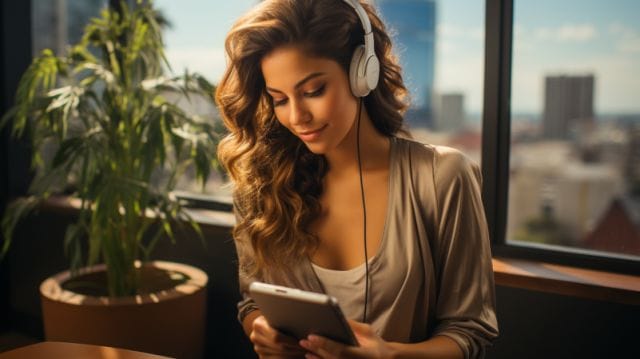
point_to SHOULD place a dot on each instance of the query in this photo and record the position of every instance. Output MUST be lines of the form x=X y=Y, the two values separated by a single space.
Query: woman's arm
x=438 y=347
x=465 y=309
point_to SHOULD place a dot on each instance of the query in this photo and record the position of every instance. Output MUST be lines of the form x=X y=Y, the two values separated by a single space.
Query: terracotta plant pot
x=167 y=322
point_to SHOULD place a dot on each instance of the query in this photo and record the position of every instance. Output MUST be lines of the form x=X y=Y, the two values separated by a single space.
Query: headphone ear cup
x=358 y=83
x=372 y=72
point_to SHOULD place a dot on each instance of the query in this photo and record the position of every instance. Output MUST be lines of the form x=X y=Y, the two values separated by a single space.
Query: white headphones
x=365 y=67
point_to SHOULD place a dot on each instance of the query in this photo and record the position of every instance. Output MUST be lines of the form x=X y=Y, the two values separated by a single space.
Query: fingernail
x=305 y=343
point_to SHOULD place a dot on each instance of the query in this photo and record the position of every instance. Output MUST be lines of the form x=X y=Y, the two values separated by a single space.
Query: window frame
x=496 y=137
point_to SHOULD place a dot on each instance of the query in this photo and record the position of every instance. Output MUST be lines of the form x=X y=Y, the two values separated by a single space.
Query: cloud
x=627 y=39
x=566 y=33
x=629 y=45
x=620 y=29
x=522 y=41
x=449 y=31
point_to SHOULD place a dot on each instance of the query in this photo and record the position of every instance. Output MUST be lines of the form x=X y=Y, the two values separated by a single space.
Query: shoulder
x=446 y=163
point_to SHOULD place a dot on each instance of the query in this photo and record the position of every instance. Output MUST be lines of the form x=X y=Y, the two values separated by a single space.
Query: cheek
x=337 y=106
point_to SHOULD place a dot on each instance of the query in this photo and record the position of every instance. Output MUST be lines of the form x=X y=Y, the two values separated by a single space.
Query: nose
x=299 y=113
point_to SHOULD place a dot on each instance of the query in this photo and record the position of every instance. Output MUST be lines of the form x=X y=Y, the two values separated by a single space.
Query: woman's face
x=311 y=97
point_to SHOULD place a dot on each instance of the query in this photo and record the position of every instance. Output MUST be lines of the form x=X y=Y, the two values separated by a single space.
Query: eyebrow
x=301 y=82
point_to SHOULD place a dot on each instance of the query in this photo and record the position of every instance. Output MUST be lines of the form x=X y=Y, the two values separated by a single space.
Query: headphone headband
x=366 y=24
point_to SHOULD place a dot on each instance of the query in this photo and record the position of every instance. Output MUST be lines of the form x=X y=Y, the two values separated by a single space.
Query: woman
x=330 y=199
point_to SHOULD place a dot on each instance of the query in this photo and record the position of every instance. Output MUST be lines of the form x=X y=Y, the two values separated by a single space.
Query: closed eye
x=315 y=93
x=279 y=102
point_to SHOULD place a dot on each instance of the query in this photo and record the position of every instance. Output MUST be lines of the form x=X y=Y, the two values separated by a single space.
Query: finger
x=362 y=328
x=284 y=339
x=273 y=347
x=261 y=326
x=264 y=351
x=323 y=347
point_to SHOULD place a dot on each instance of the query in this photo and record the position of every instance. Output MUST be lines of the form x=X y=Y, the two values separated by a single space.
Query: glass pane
x=441 y=48
x=575 y=155
x=195 y=42
x=440 y=45
x=59 y=23
x=56 y=25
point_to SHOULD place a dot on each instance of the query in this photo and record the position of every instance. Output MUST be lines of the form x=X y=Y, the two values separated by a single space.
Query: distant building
x=414 y=22
x=632 y=160
x=547 y=177
x=450 y=112
x=618 y=230
x=568 y=105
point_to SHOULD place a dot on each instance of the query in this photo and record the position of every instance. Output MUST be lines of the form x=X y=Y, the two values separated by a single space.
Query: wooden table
x=74 y=351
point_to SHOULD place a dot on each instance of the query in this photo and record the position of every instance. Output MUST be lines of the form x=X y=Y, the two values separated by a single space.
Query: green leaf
x=68 y=151
x=73 y=245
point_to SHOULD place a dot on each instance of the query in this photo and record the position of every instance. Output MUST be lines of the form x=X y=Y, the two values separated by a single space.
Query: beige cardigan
x=432 y=274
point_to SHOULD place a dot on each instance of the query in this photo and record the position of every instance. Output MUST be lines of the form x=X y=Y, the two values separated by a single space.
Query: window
x=195 y=42
x=575 y=170
x=571 y=127
x=440 y=51
x=57 y=25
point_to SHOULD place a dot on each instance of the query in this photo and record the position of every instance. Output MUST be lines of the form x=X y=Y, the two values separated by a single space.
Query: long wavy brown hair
x=277 y=180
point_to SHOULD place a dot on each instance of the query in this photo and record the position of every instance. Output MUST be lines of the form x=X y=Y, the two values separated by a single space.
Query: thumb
x=360 y=328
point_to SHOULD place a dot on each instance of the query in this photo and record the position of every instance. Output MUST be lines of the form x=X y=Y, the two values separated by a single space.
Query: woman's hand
x=269 y=343
x=371 y=345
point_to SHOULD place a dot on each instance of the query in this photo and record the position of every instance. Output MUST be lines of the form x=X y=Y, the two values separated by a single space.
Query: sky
x=550 y=37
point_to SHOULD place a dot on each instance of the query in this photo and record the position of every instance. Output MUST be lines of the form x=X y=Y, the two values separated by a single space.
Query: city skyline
x=577 y=37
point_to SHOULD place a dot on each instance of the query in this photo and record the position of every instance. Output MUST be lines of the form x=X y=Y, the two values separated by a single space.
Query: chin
x=317 y=148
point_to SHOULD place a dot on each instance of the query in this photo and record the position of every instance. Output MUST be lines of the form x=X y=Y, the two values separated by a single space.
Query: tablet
x=298 y=313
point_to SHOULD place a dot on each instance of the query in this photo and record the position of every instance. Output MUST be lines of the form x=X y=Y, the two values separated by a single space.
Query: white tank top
x=347 y=286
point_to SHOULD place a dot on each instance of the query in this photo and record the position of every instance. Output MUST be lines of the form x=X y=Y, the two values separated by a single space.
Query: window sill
x=565 y=280
x=530 y=275
x=206 y=217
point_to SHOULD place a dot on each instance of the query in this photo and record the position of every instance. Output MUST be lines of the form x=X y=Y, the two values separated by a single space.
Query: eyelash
x=316 y=93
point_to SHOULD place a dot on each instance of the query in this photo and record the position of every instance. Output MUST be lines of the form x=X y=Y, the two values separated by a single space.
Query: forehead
x=283 y=67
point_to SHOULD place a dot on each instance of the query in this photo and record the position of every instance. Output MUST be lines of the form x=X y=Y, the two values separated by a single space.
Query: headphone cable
x=364 y=213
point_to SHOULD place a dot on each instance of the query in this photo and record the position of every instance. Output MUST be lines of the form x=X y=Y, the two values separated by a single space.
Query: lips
x=312 y=135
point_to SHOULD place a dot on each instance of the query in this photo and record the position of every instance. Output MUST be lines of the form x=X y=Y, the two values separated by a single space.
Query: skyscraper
x=414 y=22
x=568 y=105
x=450 y=112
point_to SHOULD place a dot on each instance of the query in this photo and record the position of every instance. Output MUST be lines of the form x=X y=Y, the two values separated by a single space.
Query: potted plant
x=119 y=146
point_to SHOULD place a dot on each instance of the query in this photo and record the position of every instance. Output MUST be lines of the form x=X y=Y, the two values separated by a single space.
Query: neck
x=374 y=148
